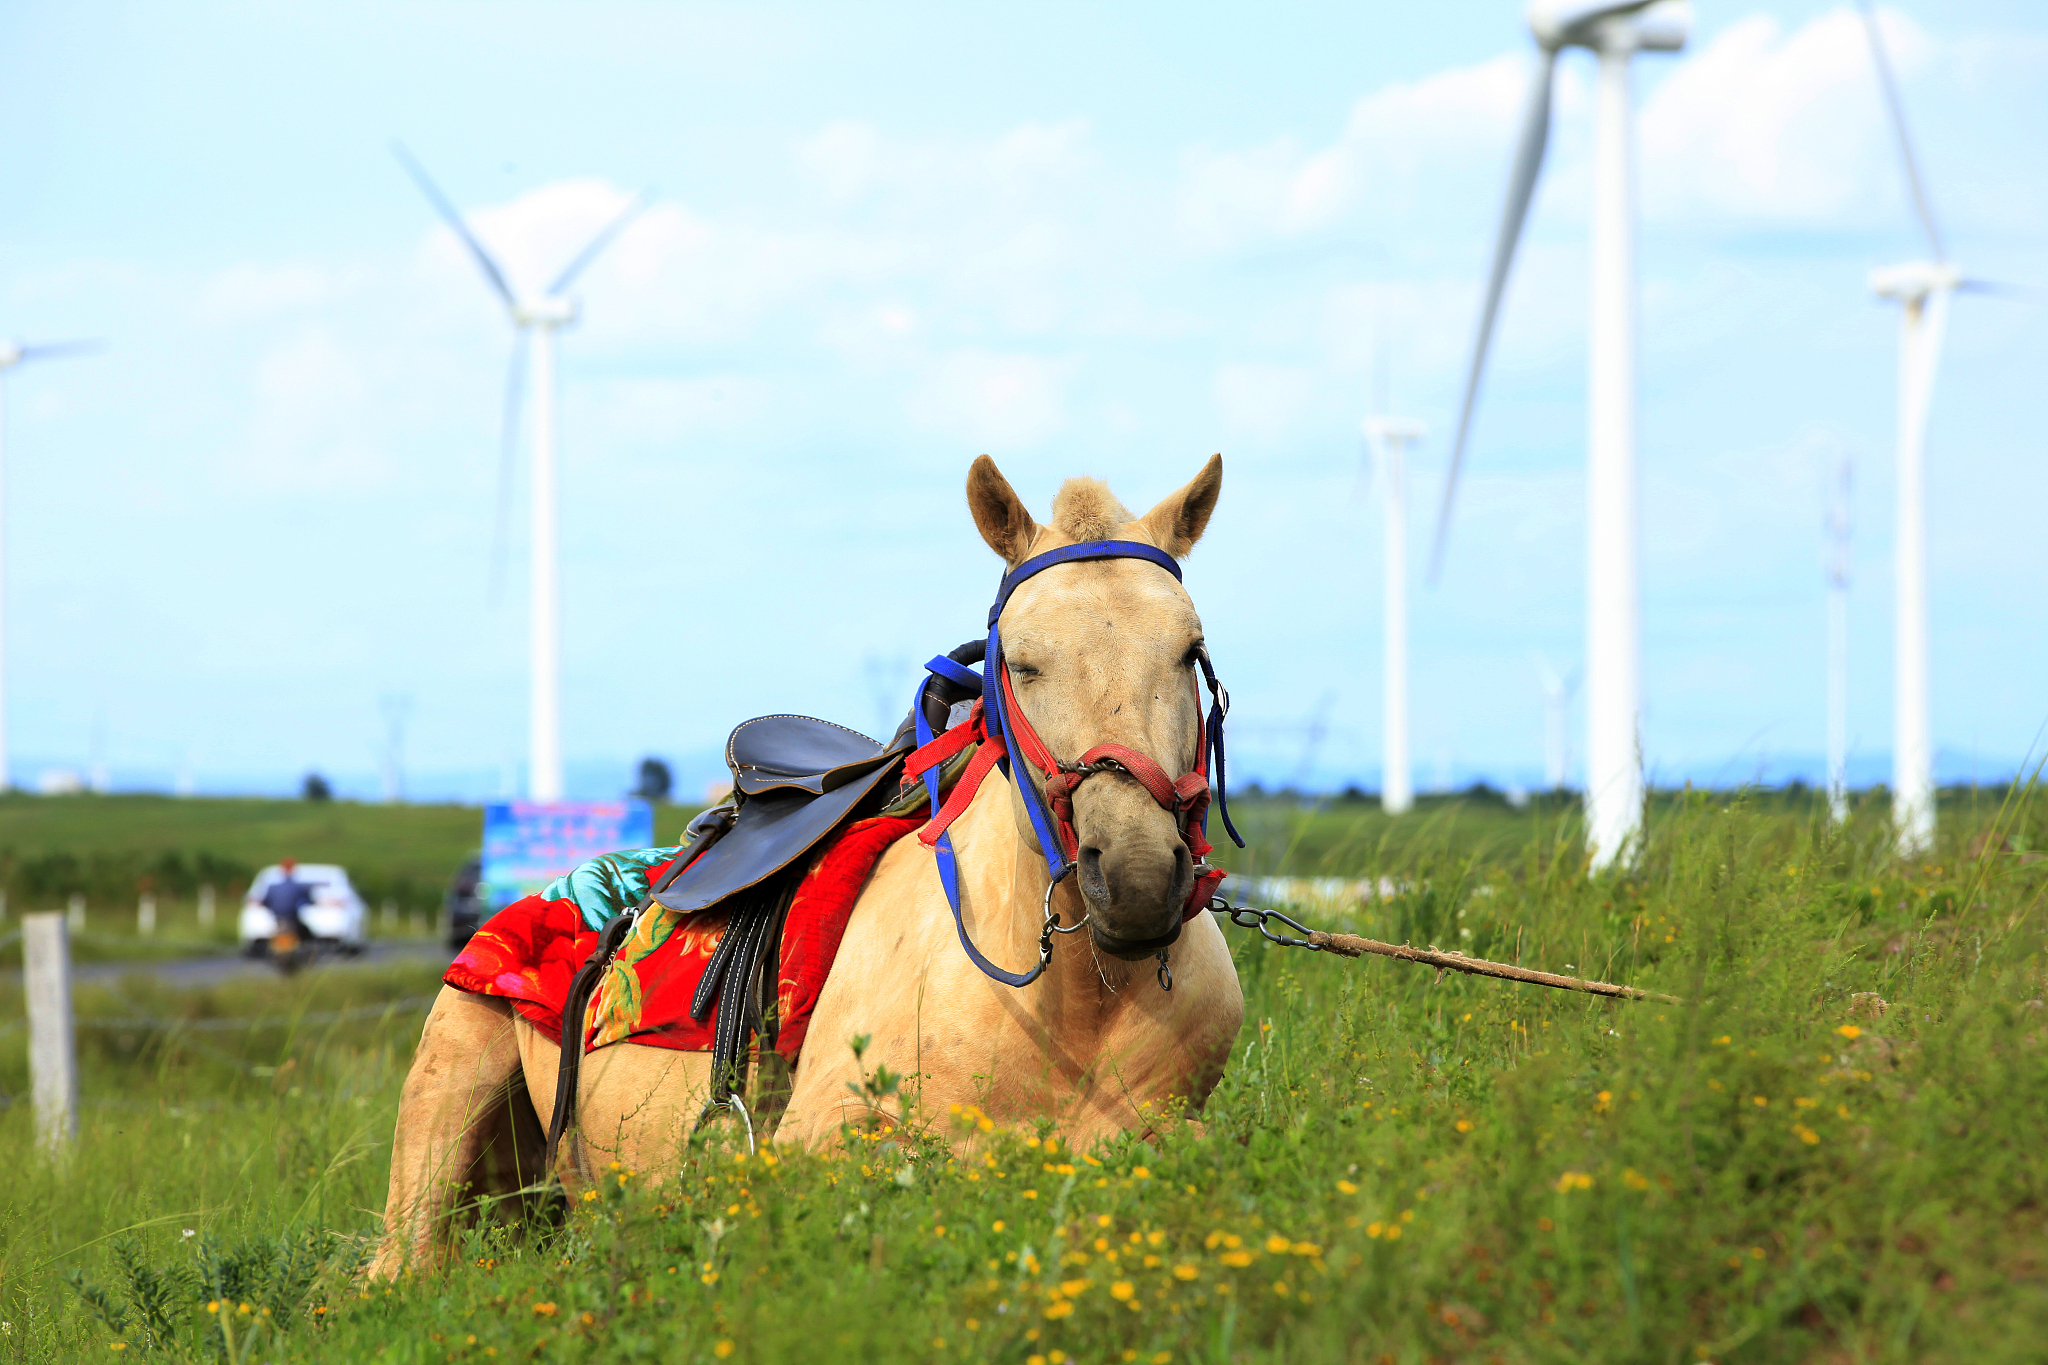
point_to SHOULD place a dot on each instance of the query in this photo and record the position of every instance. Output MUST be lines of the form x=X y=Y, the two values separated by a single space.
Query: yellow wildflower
x=1184 y=1271
x=1122 y=1291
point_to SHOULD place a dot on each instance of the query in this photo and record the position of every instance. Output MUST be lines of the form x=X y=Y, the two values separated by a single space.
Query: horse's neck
x=1005 y=912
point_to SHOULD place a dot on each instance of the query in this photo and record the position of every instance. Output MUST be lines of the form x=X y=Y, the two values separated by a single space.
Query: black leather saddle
x=795 y=781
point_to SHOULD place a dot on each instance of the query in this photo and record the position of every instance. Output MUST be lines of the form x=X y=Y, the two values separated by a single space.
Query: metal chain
x=1251 y=917
x=1050 y=927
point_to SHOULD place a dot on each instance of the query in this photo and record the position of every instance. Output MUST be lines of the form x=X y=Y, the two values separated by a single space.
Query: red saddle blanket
x=528 y=951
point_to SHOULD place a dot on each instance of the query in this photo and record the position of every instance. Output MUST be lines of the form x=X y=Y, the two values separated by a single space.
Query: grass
x=1394 y=1168
x=108 y=848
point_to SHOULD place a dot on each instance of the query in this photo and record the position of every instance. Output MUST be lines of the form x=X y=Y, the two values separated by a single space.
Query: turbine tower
x=1839 y=528
x=1390 y=438
x=537 y=318
x=1557 y=696
x=1923 y=289
x=13 y=353
x=1614 y=32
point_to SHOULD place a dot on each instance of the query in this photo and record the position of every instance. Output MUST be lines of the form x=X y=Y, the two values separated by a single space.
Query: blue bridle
x=997 y=721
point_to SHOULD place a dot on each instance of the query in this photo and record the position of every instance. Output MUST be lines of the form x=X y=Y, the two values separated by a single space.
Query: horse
x=1099 y=653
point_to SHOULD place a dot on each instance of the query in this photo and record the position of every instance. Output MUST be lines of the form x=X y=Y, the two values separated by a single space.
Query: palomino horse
x=1099 y=652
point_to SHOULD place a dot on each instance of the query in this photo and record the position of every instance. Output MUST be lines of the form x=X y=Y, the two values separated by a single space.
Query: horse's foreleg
x=464 y=1120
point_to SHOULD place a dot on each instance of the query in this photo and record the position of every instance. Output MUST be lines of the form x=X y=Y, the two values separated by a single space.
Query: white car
x=337 y=915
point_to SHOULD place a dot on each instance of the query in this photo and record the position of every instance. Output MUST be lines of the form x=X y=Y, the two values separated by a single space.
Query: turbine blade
x=50 y=350
x=1896 y=108
x=2030 y=293
x=1521 y=188
x=454 y=220
x=599 y=243
x=508 y=453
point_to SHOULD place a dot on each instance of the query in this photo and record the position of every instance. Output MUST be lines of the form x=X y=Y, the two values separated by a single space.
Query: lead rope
x=1444 y=960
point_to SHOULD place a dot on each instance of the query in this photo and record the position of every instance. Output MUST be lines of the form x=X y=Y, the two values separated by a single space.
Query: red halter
x=1185 y=798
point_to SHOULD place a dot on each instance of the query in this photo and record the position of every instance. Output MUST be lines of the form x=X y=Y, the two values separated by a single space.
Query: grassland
x=109 y=849
x=1831 y=1154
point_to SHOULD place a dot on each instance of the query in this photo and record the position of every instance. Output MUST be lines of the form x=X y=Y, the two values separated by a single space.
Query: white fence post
x=77 y=913
x=145 y=914
x=206 y=906
x=52 y=1062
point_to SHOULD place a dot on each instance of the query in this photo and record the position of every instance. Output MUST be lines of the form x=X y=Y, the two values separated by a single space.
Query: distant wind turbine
x=1615 y=32
x=1557 y=697
x=1390 y=438
x=1839 y=562
x=13 y=353
x=1923 y=289
x=537 y=318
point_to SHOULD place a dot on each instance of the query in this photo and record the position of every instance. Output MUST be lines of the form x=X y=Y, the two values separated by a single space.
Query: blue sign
x=528 y=844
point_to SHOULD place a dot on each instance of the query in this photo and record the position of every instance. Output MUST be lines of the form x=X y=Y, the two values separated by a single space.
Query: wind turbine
x=1615 y=32
x=1557 y=696
x=1839 y=528
x=1923 y=289
x=13 y=353
x=1390 y=438
x=537 y=318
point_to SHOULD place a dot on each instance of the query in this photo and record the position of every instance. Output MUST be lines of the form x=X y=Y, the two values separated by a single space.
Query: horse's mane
x=1086 y=510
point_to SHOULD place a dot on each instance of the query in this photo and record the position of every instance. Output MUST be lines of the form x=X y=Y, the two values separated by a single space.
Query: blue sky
x=890 y=237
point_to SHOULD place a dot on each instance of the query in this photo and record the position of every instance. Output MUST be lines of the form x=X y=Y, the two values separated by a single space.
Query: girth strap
x=709 y=827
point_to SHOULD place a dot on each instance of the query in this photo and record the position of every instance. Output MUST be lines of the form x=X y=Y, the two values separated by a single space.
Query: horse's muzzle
x=1135 y=910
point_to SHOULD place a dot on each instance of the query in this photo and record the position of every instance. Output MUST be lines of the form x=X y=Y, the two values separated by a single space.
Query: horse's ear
x=1180 y=518
x=998 y=512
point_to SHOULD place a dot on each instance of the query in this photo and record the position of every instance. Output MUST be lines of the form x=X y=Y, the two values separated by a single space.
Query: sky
x=886 y=238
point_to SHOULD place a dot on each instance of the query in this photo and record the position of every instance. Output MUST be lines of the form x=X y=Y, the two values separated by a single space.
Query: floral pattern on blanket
x=528 y=952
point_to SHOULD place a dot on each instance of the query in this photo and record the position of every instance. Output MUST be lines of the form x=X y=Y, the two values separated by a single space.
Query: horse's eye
x=1023 y=670
x=1193 y=656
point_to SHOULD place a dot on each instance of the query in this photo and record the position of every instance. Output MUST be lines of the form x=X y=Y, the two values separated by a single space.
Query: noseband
x=997 y=717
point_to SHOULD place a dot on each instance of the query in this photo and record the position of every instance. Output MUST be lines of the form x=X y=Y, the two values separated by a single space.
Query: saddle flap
x=798 y=753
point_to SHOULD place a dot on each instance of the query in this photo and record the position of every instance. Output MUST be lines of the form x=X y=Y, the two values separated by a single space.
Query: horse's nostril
x=1093 y=884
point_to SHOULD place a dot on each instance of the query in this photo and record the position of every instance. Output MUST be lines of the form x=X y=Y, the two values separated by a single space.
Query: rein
x=1008 y=741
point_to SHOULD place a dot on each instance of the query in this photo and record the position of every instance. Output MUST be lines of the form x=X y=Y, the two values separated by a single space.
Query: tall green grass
x=1831 y=1152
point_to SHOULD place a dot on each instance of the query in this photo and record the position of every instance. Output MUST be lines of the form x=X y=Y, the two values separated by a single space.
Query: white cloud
x=1771 y=127
x=309 y=430
x=662 y=411
x=993 y=401
x=1261 y=401
x=252 y=291
x=1396 y=140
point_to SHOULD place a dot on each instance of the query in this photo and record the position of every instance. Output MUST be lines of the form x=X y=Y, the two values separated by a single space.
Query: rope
x=1351 y=945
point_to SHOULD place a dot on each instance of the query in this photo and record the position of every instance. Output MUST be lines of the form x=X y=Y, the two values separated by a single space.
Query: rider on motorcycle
x=284 y=898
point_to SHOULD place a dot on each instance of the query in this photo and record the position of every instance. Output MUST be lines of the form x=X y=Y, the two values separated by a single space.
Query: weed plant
x=1832 y=1152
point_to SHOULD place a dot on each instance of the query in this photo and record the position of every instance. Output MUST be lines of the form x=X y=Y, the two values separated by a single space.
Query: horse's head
x=1104 y=652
